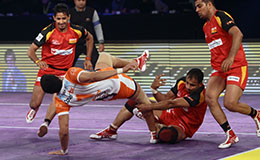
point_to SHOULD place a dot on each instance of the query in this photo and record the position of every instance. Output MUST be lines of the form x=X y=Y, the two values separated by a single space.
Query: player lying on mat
x=80 y=86
x=179 y=113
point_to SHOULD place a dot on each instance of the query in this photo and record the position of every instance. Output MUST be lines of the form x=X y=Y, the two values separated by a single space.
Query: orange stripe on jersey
x=243 y=69
x=228 y=15
x=46 y=27
x=61 y=106
x=219 y=21
x=180 y=83
x=49 y=35
x=77 y=31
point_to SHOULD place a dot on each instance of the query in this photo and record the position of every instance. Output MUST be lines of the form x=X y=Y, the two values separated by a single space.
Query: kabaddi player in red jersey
x=230 y=72
x=179 y=113
x=58 y=41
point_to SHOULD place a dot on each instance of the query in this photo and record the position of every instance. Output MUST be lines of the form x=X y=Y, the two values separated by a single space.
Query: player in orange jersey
x=230 y=73
x=81 y=86
x=58 y=41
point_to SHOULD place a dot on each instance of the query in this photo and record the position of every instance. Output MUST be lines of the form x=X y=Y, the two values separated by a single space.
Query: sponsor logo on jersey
x=214 y=30
x=233 y=78
x=39 y=37
x=72 y=40
x=55 y=42
x=215 y=43
x=61 y=52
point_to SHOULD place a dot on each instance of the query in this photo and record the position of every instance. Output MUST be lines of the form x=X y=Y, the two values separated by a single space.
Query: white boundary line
x=120 y=130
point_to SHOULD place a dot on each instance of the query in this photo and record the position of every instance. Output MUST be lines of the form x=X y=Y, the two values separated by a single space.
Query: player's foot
x=231 y=139
x=138 y=114
x=107 y=133
x=31 y=115
x=153 y=138
x=43 y=130
x=257 y=122
x=142 y=61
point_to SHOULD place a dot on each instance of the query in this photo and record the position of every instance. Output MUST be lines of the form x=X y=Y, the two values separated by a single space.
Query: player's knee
x=64 y=131
x=168 y=135
x=210 y=99
x=230 y=104
x=34 y=104
x=130 y=105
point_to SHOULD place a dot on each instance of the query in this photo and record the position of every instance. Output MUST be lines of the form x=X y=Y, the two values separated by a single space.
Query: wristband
x=119 y=70
x=64 y=152
x=154 y=91
x=37 y=61
x=88 y=58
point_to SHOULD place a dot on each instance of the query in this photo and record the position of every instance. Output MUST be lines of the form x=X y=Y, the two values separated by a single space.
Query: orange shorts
x=237 y=76
x=48 y=71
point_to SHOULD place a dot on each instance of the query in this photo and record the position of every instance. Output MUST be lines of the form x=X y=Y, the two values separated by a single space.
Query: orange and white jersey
x=75 y=93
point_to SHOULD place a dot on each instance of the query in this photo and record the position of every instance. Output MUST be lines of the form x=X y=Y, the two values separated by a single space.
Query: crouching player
x=179 y=112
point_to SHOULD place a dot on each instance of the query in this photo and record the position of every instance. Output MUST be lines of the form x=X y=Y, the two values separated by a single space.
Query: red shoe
x=31 y=115
x=231 y=139
x=106 y=133
x=257 y=122
x=142 y=61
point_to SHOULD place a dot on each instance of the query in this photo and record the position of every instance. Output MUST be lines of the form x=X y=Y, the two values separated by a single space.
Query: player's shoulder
x=50 y=27
x=221 y=14
x=77 y=27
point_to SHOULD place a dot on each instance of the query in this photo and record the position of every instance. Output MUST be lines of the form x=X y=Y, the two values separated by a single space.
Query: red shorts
x=169 y=118
x=48 y=71
x=237 y=76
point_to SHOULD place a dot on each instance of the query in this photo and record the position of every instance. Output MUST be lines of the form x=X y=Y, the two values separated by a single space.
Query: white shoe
x=105 y=133
x=31 y=115
x=153 y=138
x=138 y=114
x=257 y=122
x=142 y=60
x=231 y=139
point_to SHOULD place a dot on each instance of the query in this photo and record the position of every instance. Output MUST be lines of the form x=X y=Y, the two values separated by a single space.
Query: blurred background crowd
x=104 y=7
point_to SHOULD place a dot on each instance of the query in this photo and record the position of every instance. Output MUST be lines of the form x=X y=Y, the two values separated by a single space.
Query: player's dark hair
x=51 y=84
x=196 y=73
x=61 y=8
x=207 y=1
x=168 y=135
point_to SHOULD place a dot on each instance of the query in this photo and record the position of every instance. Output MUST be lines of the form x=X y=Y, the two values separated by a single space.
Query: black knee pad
x=168 y=135
x=130 y=105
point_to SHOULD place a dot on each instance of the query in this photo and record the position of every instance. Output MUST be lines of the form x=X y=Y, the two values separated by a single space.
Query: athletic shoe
x=257 y=122
x=142 y=61
x=31 y=115
x=153 y=138
x=138 y=114
x=43 y=130
x=231 y=139
x=106 y=133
